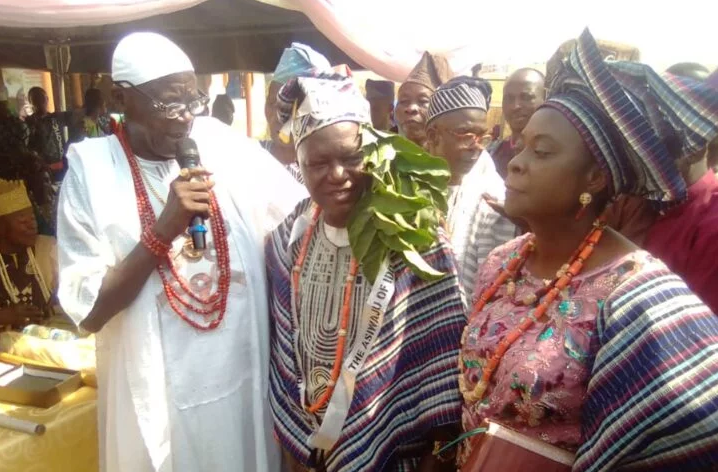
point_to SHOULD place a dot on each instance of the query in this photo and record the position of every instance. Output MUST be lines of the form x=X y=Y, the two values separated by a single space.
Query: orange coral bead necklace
x=507 y=275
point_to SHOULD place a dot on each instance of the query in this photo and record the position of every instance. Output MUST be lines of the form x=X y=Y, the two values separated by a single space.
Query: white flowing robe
x=475 y=228
x=172 y=398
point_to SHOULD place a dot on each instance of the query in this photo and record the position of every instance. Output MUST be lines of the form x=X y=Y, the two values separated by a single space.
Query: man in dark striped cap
x=457 y=130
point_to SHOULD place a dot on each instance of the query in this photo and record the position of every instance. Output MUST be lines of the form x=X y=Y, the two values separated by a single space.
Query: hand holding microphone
x=188 y=201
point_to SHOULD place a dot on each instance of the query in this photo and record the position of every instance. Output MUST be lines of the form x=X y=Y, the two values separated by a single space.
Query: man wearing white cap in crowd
x=182 y=334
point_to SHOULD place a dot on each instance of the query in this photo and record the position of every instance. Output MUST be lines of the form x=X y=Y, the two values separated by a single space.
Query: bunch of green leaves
x=403 y=206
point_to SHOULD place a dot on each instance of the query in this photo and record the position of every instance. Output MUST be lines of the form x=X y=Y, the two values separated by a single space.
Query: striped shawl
x=652 y=401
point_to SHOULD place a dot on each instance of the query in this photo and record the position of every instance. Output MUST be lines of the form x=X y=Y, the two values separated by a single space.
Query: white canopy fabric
x=68 y=13
x=388 y=36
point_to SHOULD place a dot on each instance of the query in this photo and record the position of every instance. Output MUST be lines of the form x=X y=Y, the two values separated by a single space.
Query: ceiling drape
x=68 y=13
x=388 y=36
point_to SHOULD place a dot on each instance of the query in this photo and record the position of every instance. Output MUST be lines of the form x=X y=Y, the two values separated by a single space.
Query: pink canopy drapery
x=388 y=36
x=62 y=13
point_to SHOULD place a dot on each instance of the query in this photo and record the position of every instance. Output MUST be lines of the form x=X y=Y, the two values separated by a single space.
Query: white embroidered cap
x=142 y=57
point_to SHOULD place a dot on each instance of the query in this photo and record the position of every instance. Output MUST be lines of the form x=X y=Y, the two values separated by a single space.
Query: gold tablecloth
x=68 y=445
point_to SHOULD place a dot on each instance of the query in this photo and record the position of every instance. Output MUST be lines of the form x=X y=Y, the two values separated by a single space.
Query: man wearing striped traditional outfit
x=395 y=392
x=457 y=130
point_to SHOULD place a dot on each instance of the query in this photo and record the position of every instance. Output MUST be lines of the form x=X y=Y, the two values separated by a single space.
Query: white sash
x=368 y=330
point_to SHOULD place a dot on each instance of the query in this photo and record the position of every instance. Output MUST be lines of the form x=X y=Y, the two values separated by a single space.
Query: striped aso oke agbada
x=407 y=386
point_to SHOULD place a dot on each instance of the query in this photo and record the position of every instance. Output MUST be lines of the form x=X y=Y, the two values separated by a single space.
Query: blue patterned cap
x=298 y=60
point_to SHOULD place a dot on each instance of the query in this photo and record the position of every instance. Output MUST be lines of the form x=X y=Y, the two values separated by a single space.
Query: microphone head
x=187 y=153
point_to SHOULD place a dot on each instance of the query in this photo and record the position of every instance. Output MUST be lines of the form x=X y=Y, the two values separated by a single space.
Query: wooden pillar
x=248 y=99
x=77 y=95
x=47 y=85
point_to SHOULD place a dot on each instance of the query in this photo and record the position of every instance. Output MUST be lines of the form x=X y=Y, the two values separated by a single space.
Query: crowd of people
x=566 y=292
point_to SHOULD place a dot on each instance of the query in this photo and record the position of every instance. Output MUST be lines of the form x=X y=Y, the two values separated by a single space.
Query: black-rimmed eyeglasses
x=172 y=111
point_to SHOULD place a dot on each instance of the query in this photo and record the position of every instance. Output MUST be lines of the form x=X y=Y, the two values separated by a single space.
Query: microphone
x=188 y=158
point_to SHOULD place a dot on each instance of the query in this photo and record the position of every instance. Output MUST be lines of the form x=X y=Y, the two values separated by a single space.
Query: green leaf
x=405 y=184
x=388 y=202
x=373 y=259
x=361 y=233
x=426 y=218
x=382 y=134
x=395 y=243
x=377 y=178
x=386 y=151
x=362 y=243
x=371 y=157
x=402 y=144
x=384 y=166
x=434 y=183
x=422 y=164
x=401 y=221
x=401 y=210
x=421 y=239
x=420 y=267
x=388 y=177
x=437 y=194
x=439 y=199
x=386 y=224
x=368 y=136
x=431 y=180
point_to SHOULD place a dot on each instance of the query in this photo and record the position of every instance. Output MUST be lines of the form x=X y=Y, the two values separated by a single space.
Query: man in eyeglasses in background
x=182 y=334
x=457 y=130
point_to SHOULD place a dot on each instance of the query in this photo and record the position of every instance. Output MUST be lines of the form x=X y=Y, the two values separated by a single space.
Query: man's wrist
x=155 y=242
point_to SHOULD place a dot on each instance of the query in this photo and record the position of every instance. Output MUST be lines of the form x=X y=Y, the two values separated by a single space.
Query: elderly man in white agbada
x=182 y=335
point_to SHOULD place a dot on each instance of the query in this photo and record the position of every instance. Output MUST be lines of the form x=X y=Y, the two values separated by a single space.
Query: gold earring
x=585 y=198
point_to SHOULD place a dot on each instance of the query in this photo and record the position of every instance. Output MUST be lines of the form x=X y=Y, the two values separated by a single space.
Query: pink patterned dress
x=539 y=386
